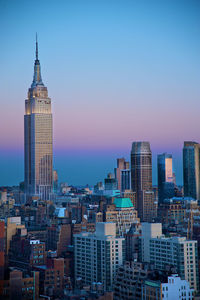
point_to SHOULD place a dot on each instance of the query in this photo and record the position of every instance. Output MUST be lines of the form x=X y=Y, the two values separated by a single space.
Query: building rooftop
x=152 y=283
x=123 y=203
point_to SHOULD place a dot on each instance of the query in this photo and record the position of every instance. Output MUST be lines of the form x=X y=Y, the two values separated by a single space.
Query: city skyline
x=103 y=63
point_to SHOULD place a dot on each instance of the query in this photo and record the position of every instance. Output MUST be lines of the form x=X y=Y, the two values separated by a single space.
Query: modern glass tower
x=38 y=138
x=165 y=177
x=191 y=169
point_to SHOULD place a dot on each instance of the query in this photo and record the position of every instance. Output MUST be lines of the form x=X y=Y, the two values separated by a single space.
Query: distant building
x=165 y=177
x=55 y=181
x=38 y=138
x=141 y=180
x=123 y=214
x=97 y=256
x=125 y=180
x=110 y=182
x=191 y=170
x=132 y=238
x=131 y=195
x=121 y=165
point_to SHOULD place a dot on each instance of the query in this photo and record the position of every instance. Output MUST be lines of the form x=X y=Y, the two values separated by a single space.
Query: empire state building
x=38 y=148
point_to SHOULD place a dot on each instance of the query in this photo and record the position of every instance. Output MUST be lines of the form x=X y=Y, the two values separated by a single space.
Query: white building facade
x=176 y=289
x=97 y=256
x=175 y=251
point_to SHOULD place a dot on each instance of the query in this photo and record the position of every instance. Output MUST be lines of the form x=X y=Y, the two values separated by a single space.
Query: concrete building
x=38 y=138
x=174 y=251
x=165 y=177
x=52 y=277
x=12 y=225
x=148 y=231
x=123 y=214
x=121 y=165
x=97 y=256
x=19 y=287
x=176 y=288
x=172 y=211
x=132 y=238
x=191 y=170
x=131 y=195
x=130 y=280
x=110 y=182
x=151 y=290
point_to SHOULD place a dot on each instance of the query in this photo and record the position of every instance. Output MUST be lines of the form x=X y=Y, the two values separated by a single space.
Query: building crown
x=37 y=78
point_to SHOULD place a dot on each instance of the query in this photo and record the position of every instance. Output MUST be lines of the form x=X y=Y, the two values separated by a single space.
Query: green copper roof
x=123 y=203
x=152 y=283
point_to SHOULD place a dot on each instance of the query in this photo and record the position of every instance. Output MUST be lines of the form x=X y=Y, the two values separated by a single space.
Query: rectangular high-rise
x=121 y=165
x=98 y=255
x=173 y=251
x=165 y=177
x=191 y=170
x=38 y=138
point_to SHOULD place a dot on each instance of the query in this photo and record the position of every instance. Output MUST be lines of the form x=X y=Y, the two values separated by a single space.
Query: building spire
x=36 y=47
x=37 y=78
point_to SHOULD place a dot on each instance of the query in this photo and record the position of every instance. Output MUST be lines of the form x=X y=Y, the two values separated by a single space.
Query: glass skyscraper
x=165 y=177
x=191 y=170
x=38 y=138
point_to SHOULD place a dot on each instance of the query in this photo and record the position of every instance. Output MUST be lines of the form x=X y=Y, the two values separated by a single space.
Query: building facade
x=141 y=180
x=165 y=177
x=176 y=288
x=38 y=138
x=123 y=214
x=125 y=180
x=98 y=255
x=175 y=251
x=191 y=170
x=121 y=165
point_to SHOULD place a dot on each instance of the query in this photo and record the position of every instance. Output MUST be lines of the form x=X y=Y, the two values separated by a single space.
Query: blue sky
x=117 y=72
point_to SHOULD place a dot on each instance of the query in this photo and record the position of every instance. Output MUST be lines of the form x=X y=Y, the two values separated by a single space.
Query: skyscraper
x=141 y=180
x=191 y=170
x=121 y=165
x=38 y=137
x=165 y=177
x=141 y=167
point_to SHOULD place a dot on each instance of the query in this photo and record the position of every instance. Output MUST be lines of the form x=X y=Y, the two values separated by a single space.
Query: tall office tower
x=191 y=170
x=98 y=255
x=121 y=165
x=125 y=180
x=38 y=138
x=165 y=177
x=141 y=180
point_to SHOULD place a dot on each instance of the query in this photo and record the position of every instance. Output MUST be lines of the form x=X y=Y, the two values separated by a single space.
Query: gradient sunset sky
x=116 y=71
